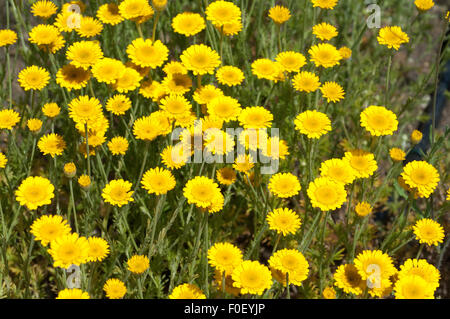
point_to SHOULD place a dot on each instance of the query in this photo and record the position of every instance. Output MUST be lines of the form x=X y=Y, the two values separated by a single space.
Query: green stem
x=87 y=150
x=72 y=200
x=154 y=25
x=388 y=79
x=288 y=291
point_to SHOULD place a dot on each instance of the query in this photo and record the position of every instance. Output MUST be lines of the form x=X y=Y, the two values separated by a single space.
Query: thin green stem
x=87 y=150
x=154 y=25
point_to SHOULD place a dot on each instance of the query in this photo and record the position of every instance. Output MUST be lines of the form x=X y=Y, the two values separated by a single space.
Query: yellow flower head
x=85 y=110
x=201 y=191
x=138 y=264
x=118 y=192
x=424 y=5
x=226 y=175
x=43 y=9
x=225 y=257
x=284 y=221
x=225 y=108
x=279 y=14
x=422 y=268
x=369 y=261
x=252 y=277
x=416 y=137
x=35 y=191
x=306 y=82
x=337 y=170
x=48 y=228
x=326 y=194
x=266 y=69
x=397 y=154
x=84 y=181
x=421 y=176
x=8 y=118
x=222 y=12
x=428 y=232
x=329 y=293
x=34 y=125
x=413 y=287
x=313 y=124
x=392 y=37
x=187 y=291
x=284 y=185
x=84 y=54
x=255 y=117
x=3 y=160
x=118 y=104
x=118 y=145
x=188 y=23
x=98 y=249
x=7 y=37
x=230 y=75
x=70 y=169
x=89 y=27
x=34 y=78
x=200 y=59
x=52 y=144
x=146 y=53
x=363 y=163
x=73 y=293
x=378 y=120
x=293 y=263
x=68 y=250
x=345 y=52
x=115 y=288
x=324 y=31
x=108 y=13
x=332 y=91
x=324 y=54
x=324 y=4
x=291 y=61
x=158 y=181
x=72 y=77
x=108 y=70
x=138 y=11
x=348 y=279
x=363 y=209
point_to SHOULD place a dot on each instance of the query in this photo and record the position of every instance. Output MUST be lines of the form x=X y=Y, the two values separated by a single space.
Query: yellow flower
x=158 y=181
x=200 y=59
x=146 y=53
x=337 y=170
x=33 y=78
x=118 y=104
x=428 y=232
x=284 y=185
x=174 y=157
x=369 y=261
x=128 y=81
x=8 y=118
x=72 y=77
x=84 y=54
x=118 y=192
x=324 y=4
x=230 y=75
x=159 y=5
x=3 y=160
x=347 y=278
x=324 y=31
x=73 y=293
x=138 y=11
x=266 y=69
x=187 y=291
x=306 y=82
x=252 y=277
x=345 y=52
x=329 y=293
x=424 y=5
x=217 y=141
x=152 y=90
x=45 y=36
x=284 y=221
x=324 y=54
x=416 y=137
x=225 y=257
x=98 y=249
x=108 y=13
x=188 y=23
x=396 y=154
x=51 y=110
x=363 y=163
x=84 y=181
x=313 y=124
x=34 y=125
x=413 y=287
x=422 y=268
x=392 y=37
x=363 y=209
x=138 y=264
x=293 y=263
x=7 y=37
x=35 y=191
x=201 y=191
x=118 y=145
x=52 y=144
x=114 y=288
x=70 y=169
x=85 y=110
x=228 y=29
x=225 y=108
x=89 y=27
x=108 y=70
x=291 y=61
x=48 y=228
x=222 y=12
x=43 y=9
x=326 y=194
x=68 y=250
x=243 y=163
x=332 y=91
x=255 y=117
x=226 y=175
x=279 y=14
x=175 y=105
x=378 y=120
x=421 y=176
